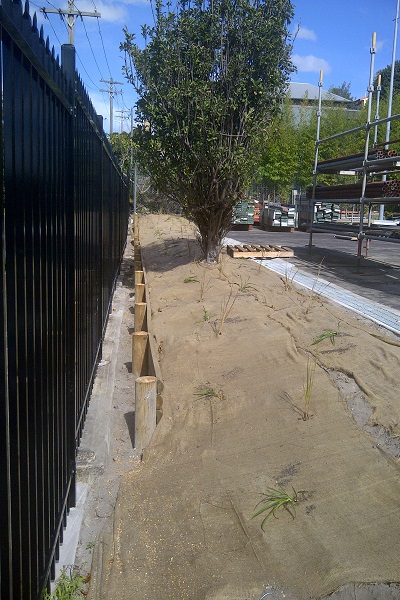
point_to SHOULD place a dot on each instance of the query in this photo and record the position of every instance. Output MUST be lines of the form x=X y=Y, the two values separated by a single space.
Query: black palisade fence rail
x=63 y=219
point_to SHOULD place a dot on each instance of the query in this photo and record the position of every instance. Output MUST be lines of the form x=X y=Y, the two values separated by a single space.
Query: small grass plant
x=191 y=279
x=246 y=286
x=207 y=393
x=221 y=265
x=288 y=278
x=325 y=335
x=276 y=498
x=314 y=294
x=69 y=586
x=308 y=386
x=158 y=232
x=206 y=316
x=205 y=285
x=226 y=307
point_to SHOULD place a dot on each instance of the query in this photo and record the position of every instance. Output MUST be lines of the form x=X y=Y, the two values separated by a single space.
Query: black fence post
x=68 y=63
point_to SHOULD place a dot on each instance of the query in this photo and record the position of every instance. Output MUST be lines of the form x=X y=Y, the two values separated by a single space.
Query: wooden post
x=138 y=254
x=136 y=227
x=145 y=410
x=140 y=353
x=139 y=277
x=140 y=292
x=140 y=316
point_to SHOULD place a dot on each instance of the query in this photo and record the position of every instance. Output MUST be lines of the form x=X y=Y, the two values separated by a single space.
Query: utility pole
x=122 y=117
x=71 y=17
x=111 y=91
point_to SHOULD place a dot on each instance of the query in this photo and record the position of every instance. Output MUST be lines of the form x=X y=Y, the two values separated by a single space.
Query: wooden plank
x=247 y=251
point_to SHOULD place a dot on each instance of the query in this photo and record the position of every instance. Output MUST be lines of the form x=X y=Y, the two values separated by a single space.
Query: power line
x=54 y=31
x=96 y=87
x=104 y=49
x=71 y=17
x=102 y=41
x=90 y=45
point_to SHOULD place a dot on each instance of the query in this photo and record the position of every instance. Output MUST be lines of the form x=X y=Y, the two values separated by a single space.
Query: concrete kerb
x=95 y=443
x=94 y=454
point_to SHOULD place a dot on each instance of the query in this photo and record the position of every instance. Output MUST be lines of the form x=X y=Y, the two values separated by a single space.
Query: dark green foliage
x=385 y=79
x=210 y=80
x=342 y=90
x=288 y=156
x=122 y=144
x=69 y=586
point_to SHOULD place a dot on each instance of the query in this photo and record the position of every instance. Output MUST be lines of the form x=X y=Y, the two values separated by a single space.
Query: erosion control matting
x=235 y=345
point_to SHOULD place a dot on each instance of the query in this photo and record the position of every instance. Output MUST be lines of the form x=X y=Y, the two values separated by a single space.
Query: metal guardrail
x=63 y=224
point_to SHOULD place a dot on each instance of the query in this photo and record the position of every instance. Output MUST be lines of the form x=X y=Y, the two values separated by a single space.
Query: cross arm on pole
x=71 y=15
x=78 y=13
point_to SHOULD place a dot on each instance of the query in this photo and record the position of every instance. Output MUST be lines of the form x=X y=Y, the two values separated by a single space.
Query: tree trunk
x=213 y=225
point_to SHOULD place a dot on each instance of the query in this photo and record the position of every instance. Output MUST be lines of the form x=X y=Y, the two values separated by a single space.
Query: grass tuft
x=226 y=307
x=274 y=499
x=207 y=392
x=205 y=285
x=308 y=387
x=246 y=286
x=206 y=316
x=326 y=335
x=69 y=586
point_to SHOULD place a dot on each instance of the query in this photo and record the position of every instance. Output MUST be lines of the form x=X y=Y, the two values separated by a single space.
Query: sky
x=334 y=36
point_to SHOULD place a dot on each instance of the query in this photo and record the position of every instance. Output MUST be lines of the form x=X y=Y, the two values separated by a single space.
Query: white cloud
x=379 y=46
x=311 y=63
x=136 y=2
x=306 y=34
x=112 y=12
x=101 y=105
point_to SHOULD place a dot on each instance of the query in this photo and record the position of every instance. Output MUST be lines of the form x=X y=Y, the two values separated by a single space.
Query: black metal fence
x=63 y=220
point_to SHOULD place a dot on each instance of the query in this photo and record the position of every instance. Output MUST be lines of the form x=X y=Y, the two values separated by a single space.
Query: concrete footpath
x=334 y=260
x=107 y=449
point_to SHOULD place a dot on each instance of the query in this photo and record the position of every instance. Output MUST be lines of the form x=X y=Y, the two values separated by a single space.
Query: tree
x=342 y=90
x=122 y=146
x=148 y=199
x=210 y=80
x=386 y=74
x=288 y=156
x=278 y=159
